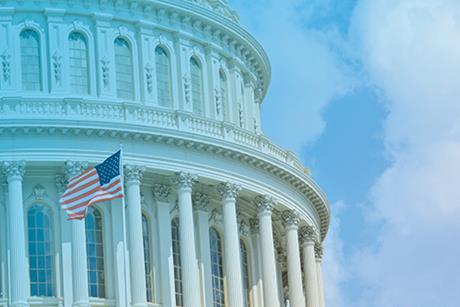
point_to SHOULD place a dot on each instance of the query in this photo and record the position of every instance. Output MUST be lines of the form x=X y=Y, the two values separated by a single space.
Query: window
x=124 y=69
x=95 y=253
x=245 y=272
x=147 y=257
x=163 y=73
x=78 y=63
x=197 y=86
x=30 y=61
x=176 y=261
x=223 y=94
x=41 y=260
x=217 y=268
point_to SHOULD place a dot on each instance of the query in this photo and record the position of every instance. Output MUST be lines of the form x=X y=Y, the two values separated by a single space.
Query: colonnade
x=308 y=251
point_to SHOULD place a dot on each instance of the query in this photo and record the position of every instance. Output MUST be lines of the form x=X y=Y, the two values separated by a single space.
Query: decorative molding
x=57 y=67
x=319 y=251
x=6 y=66
x=228 y=190
x=183 y=180
x=105 y=67
x=13 y=169
x=161 y=192
x=187 y=88
x=133 y=173
x=200 y=201
x=39 y=192
x=149 y=77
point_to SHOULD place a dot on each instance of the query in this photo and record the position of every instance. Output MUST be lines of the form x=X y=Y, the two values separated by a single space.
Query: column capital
x=161 y=192
x=264 y=204
x=290 y=218
x=244 y=228
x=228 y=190
x=318 y=251
x=200 y=201
x=183 y=180
x=61 y=183
x=308 y=234
x=254 y=225
x=14 y=169
x=133 y=173
x=73 y=168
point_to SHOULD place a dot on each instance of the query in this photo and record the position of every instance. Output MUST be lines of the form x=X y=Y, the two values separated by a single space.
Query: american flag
x=94 y=185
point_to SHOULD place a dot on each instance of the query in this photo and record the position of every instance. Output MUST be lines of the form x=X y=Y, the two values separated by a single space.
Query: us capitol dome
x=215 y=215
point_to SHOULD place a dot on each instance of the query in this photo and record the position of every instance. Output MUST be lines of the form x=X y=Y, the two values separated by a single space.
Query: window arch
x=177 y=261
x=78 y=63
x=245 y=272
x=217 y=269
x=146 y=235
x=163 y=74
x=41 y=259
x=223 y=94
x=31 y=69
x=196 y=75
x=124 y=69
x=95 y=253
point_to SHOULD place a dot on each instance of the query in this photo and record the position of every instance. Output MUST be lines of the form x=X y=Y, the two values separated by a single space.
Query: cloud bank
x=411 y=51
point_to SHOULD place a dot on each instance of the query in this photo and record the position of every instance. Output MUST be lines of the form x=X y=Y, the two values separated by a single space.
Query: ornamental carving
x=187 y=88
x=217 y=97
x=215 y=218
x=14 y=168
x=61 y=183
x=73 y=168
x=264 y=203
x=290 y=218
x=308 y=234
x=57 y=67
x=149 y=77
x=39 y=192
x=200 y=201
x=241 y=115
x=254 y=225
x=134 y=173
x=183 y=180
x=318 y=250
x=105 y=71
x=6 y=66
x=228 y=190
x=161 y=192
x=244 y=227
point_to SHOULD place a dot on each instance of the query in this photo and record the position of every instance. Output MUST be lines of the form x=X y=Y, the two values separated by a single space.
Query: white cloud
x=411 y=49
x=307 y=73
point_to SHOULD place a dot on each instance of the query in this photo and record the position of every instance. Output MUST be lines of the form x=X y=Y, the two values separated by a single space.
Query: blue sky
x=373 y=88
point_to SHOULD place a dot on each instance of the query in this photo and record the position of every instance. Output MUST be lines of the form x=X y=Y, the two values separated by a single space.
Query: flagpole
x=123 y=209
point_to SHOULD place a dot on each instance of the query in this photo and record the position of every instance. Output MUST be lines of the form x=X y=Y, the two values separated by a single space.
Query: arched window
x=147 y=257
x=78 y=63
x=95 y=253
x=245 y=272
x=176 y=261
x=41 y=260
x=223 y=94
x=124 y=69
x=217 y=268
x=30 y=61
x=197 y=86
x=163 y=73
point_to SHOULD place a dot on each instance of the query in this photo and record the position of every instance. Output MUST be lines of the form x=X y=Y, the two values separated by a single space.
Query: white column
x=19 y=288
x=133 y=175
x=270 y=281
x=191 y=295
x=319 y=273
x=79 y=257
x=309 y=266
x=201 y=215
x=161 y=196
x=291 y=222
x=229 y=192
x=257 y=261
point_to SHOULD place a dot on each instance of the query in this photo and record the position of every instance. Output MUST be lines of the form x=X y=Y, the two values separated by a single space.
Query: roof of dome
x=219 y=6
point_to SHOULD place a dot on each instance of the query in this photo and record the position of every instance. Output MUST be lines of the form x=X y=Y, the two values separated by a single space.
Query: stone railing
x=84 y=111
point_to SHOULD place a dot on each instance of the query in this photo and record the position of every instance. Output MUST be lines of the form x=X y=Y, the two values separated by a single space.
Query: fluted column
x=270 y=282
x=319 y=273
x=257 y=268
x=133 y=175
x=191 y=293
x=20 y=288
x=291 y=222
x=229 y=192
x=79 y=257
x=308 y=237
x=161 y=196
